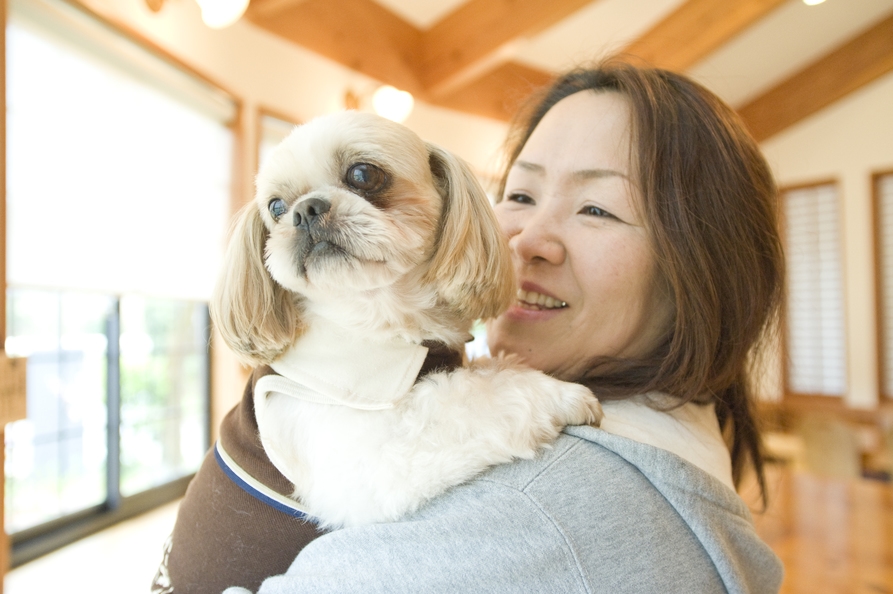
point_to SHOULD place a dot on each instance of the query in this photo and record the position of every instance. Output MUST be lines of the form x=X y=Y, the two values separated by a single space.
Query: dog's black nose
x=309 y=210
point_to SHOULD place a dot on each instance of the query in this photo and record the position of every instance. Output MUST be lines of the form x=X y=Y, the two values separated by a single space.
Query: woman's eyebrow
x=586 y=174
x=527 y=166
x=581 y=175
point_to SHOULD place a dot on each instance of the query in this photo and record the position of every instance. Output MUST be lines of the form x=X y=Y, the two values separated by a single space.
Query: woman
x=641 y=219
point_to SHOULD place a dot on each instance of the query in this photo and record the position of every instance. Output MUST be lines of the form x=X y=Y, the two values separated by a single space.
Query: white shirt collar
x=690 y=431
x=329 y=365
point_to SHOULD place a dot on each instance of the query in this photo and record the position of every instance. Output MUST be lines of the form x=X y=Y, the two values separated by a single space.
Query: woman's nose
x=536 y=239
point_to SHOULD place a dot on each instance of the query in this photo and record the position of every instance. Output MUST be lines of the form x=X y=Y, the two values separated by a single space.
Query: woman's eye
x=595 y=211
x=366 y=178
x=277 y=208
x=519 y=197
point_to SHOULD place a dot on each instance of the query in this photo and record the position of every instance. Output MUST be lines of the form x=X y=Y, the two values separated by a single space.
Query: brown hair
x=710 y=204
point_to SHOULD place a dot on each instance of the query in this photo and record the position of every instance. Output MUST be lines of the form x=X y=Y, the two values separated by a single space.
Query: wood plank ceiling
x=466 y=59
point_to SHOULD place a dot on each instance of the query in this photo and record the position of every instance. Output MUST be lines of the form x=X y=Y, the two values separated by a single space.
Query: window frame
x=266 y=112
x=880 y=334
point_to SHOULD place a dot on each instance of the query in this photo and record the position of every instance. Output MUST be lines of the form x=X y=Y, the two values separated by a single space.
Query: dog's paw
x=580 y=404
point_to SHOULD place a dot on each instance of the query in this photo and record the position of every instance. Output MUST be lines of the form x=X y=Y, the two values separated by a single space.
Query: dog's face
x=349 y=203
x=353 y=203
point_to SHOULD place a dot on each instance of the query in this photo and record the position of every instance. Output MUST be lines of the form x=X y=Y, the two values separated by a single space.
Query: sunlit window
x=56 y=459
x=118 y=201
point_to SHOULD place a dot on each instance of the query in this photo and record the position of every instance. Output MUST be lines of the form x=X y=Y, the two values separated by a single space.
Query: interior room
x=133 y=135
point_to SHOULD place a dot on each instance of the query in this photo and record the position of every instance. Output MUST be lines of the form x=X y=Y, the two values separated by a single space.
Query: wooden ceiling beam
x=702 y=25
x=455 y=48
x=460 y=62
x=271 y=7
x=695 y=29
x=499 y=94
x=359 y=34
x=840 y=72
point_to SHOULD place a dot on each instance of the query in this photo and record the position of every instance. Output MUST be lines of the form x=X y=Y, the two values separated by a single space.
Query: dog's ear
x=471 y=264
x=257 y=318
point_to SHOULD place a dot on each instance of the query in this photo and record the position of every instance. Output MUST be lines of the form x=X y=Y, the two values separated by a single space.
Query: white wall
x=847 y=142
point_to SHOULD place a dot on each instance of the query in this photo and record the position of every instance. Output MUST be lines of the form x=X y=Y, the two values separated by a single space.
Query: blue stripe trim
x=259 y=495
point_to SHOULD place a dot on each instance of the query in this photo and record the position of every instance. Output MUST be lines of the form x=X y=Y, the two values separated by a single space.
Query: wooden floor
x=834 y=536
x=122 y=559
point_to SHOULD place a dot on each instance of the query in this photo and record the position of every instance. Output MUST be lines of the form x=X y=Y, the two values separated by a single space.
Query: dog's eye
x=277 y=208
x=366 y=177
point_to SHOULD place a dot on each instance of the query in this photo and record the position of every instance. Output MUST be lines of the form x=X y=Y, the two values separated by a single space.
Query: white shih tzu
x=363 y=242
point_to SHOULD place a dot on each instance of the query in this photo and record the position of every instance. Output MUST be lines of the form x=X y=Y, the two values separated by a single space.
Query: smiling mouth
x=533 y=300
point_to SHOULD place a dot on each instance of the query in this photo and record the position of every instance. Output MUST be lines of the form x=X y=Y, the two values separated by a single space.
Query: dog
x=363 y=245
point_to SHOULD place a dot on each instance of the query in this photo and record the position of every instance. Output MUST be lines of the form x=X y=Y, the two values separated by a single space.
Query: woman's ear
x=256 y=317
x=471 y=264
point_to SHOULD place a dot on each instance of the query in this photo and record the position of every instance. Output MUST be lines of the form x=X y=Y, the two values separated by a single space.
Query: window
x=117 y=206
x=56 y=459
x=273 y=130
x=129 y=178
x=883 y=192
x=163 y=387
x=154 y=382
x=815 y=315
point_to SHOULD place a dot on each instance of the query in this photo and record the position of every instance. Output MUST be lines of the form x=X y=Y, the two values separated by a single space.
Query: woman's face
x=580 y=249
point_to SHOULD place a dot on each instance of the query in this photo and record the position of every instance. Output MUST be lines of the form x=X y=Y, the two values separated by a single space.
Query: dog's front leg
x=457 y=424
x=452 y=426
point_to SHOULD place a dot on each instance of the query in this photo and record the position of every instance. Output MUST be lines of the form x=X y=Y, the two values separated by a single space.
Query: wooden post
x=12 y=371
x=4 y=540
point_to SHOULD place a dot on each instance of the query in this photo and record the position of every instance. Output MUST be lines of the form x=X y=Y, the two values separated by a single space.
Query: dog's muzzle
x=314 y=233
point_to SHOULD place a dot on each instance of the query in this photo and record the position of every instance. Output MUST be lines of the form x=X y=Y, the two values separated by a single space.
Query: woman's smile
x=533 y=297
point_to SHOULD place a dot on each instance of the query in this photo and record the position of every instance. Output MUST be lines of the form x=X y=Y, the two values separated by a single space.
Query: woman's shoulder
x=587 y=459
x=604 y=492
x=595 y=512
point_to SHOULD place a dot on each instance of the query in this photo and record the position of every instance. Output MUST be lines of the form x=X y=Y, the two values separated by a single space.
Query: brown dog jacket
x=236 y=525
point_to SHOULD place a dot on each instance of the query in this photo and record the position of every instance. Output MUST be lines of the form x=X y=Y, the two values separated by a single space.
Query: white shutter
x=815 y=315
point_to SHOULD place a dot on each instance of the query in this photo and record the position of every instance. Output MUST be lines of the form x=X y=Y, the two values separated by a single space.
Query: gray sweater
x=596 y=513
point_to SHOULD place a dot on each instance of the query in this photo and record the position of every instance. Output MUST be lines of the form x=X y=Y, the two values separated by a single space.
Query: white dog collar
x=330 y=366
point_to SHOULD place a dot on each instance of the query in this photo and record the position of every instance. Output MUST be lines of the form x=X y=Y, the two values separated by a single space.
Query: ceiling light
x=812 y=2
x=392 y=103
x=218 y=14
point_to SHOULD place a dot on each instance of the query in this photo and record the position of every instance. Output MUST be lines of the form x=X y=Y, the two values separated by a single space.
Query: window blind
x=119 y=177
x=815 y=338
x=72 y=29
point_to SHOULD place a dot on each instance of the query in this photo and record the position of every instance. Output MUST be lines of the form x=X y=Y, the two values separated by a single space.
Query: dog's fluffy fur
x=385 y=237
